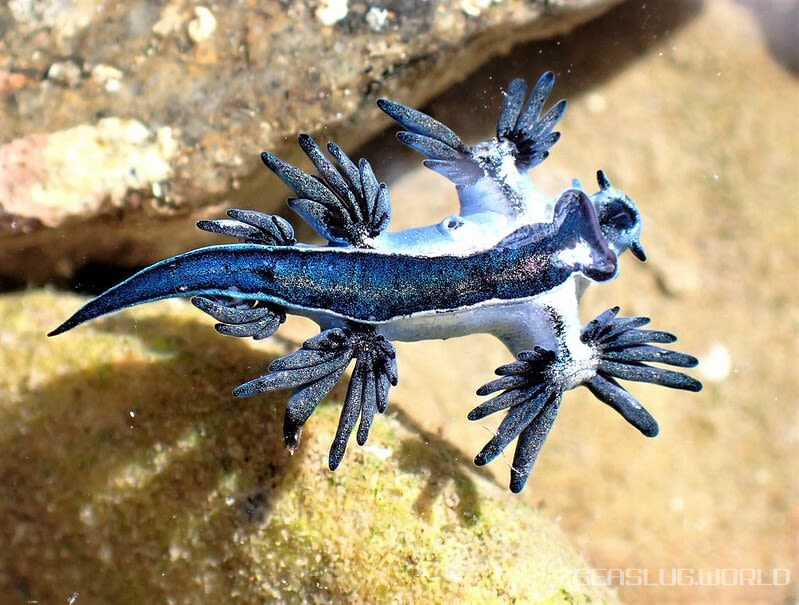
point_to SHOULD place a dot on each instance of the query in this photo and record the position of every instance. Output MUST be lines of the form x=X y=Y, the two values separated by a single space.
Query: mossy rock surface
x=130 y=475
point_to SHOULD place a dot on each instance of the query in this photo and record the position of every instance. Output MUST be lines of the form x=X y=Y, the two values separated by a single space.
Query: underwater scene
x=526 y=330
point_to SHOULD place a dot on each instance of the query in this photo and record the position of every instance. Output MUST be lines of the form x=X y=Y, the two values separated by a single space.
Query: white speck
x=167 y=145
x=132 y=413
x=170 y=21
x=178 y=552
x=67 y=73
x=716 y=363
x=376 y=18
x=203 y=25
x=72 y=598
x=382 y=452
x=108 y=76
x=331 y=12
x=596 y=103
x=453 y=576
x=473 y=8
x=87 y=516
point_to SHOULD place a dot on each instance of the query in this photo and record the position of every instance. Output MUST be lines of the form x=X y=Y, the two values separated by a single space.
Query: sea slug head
x=580 y=241
x=618 y=217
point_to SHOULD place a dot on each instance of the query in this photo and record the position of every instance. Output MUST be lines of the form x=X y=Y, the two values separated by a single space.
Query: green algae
x=131 y=475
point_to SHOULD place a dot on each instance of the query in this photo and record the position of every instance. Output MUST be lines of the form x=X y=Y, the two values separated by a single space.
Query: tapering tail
x=214 y=270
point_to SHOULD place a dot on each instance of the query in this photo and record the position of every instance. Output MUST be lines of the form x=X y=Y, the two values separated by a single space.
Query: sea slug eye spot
x=450 y=223
x=617 y=215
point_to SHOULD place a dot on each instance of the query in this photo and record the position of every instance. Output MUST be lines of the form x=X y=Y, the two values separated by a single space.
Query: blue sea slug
x=512 y=263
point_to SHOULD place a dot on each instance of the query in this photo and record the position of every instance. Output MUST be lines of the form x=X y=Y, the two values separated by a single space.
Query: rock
x=130 y=475
x=224 y=82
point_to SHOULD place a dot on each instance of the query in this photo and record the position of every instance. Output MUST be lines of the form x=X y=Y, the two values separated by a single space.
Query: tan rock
x=227 y=81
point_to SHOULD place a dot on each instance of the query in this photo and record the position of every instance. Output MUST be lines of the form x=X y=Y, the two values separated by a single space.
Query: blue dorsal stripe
x=366 y=285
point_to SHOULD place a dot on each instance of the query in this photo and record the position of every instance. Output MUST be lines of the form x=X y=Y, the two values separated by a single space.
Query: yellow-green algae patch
x=129 y=474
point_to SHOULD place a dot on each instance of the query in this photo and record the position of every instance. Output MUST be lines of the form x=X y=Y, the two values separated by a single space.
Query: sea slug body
x=513 y=263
